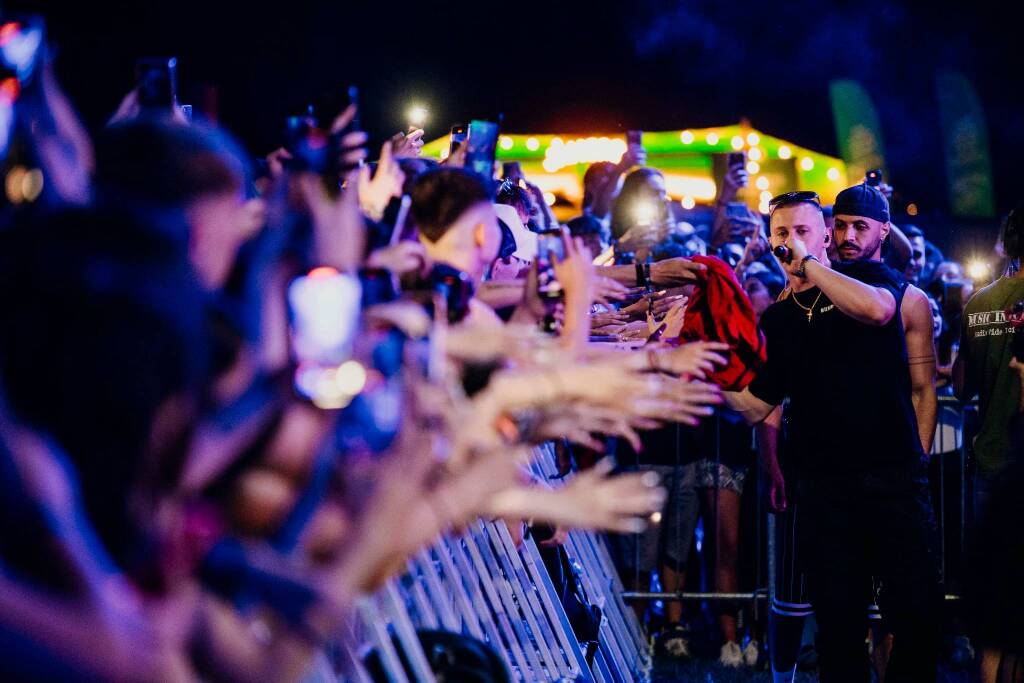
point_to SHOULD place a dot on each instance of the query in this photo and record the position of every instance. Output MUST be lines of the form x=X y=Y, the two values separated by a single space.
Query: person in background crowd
x=915 y=267
x=641 y=217
x=982 y=366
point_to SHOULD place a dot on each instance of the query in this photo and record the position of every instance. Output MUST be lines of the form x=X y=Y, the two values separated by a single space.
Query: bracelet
x=801 y=270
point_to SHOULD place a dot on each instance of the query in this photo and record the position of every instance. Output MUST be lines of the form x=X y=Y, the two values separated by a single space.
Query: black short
x=791 y=596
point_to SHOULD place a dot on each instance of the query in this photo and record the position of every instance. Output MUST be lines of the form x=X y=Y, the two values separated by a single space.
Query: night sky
x=569 y=67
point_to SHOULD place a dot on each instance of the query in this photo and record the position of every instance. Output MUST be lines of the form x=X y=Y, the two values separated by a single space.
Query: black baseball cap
x=862 y=200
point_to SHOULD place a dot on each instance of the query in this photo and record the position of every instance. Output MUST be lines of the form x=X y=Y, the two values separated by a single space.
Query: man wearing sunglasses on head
x=836 y=350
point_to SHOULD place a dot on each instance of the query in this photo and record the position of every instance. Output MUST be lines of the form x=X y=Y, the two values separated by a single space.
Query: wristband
x=801 y=270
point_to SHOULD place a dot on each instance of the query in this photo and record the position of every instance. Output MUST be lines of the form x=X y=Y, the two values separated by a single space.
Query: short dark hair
x=584 y=225
x=165 y=163
x=513 y=195
x=441 y=196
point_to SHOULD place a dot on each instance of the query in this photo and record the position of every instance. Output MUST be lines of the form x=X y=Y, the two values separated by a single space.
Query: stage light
x=737 y=142
x=762 y=183
x=532 y=144
x=785 y=152
x=977 y=269
x=686 y=137
x=807 y=163
x=911 y=209
x=417 y=115
x=556 y=142
x=753 y=167
x=712 y=138
x=754 y=154
x=687 y=202
x=549 y=198
x=753 y=139
x=765 y=197
x=833 y=173
x=763 y=207
x=505 y=142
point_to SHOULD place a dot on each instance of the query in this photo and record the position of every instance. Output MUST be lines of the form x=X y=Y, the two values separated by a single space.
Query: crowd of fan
x=202 y=470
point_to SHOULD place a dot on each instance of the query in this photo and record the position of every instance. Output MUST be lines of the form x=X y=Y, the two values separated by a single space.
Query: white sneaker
x=731 y=655
x=751 y=653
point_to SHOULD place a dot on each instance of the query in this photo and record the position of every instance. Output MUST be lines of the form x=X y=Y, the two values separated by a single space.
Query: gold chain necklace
x=810 y=310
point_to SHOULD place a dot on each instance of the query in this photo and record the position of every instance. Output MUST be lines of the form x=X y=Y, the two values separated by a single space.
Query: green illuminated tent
x=692 y=160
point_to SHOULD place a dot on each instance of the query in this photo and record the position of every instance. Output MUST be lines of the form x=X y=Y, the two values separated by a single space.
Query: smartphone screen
x=736 y=210
x=456 y=137
x=482 y=142
x=736 y=159
x=550 y=249
x=157 y=82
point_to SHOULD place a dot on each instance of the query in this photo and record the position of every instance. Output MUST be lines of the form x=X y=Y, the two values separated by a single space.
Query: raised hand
x=407 y=145
x=696 y=359
x=375 y=192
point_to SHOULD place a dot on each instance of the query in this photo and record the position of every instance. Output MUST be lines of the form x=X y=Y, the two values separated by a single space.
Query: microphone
x=783 y=253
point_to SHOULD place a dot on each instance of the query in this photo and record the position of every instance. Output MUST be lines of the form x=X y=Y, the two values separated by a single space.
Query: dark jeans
x=858 y=525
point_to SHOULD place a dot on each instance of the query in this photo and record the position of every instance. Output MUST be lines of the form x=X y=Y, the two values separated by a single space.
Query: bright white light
x=754 y=154
x=977 y=269
x=350 y=378
x=688 y=202
x=737 y=142
x=807 y=163
x=550 y=165
x=785 y=152
x=557 y=142
x=549 y=198
x=753 y=167
x=505 y=142
x=655 y=517
x=753 y=139
x=762 y=183
x=712 y=138
x=833 y=173
x=444 y=153
x=532 y=144
x=765 y=197
x=686 y=137
x=417 y=115
x=763 y=207
x=645 y=213
x=690 y=186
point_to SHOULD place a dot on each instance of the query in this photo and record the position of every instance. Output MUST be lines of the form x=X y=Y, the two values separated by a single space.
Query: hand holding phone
x=481 y=147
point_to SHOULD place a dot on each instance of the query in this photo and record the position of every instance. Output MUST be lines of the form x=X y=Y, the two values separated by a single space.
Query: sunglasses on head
x=790 y=198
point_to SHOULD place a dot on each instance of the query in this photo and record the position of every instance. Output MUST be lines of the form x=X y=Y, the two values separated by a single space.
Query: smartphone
x=481 y=146
x=633 y=137
x=736 y=210
x=513 y=170
x=873 y=178
x=736 y=159
x=156 y=81
x=324 y=310
x=550 y=249
x=457 y=137
x=22 y=43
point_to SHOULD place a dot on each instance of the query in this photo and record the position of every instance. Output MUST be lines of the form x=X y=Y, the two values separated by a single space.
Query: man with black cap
x=836 y=350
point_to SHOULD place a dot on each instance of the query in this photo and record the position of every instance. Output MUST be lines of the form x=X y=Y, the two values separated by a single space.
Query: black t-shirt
x=848 y=383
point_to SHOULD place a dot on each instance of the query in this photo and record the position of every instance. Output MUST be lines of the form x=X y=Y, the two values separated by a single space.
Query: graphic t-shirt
x=848 y=383
x=985 y=337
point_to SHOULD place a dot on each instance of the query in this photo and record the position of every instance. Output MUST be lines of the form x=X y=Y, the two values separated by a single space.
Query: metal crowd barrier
x=479 y=584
